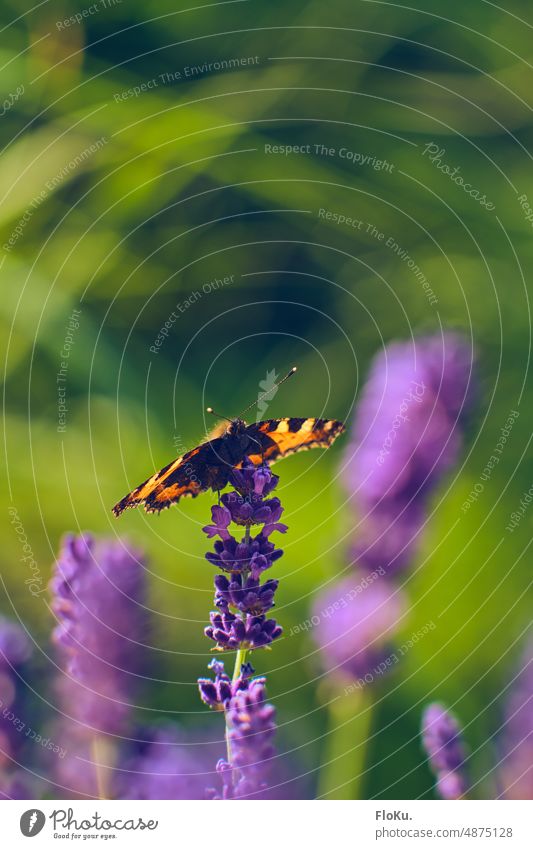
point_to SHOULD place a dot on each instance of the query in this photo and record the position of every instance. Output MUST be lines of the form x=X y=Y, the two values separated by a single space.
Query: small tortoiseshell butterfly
x=210 y=464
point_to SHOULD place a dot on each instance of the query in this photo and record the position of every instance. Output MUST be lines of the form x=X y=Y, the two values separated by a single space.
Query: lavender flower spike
x=98 y=593
x=168 y=765
x=251 y=729
x=15 y=650
x=407 y=435
x=240 y=624
x=251 y=722
x=356 y=621
x=515 y=771
x=242 y=601
x=443 y=742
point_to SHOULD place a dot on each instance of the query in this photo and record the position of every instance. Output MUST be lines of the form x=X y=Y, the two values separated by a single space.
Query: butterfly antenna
x=218 y=416
x=269 y=391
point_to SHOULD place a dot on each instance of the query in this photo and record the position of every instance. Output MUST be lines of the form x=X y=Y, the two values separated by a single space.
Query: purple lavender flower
x=354 y=622
x=443 y=742
x=217 y=692
x=406 y=437
x=246 y=594
x=251 y=729
x=167 y=767
x=240 y=624
x=515 y=772
x=15 y=651
x=98 y=593
x=230 y=631
x=254 y=556
x=15 y=647
x=254 y=480
x=17 y=785
x=246 y=625
x=252 y=509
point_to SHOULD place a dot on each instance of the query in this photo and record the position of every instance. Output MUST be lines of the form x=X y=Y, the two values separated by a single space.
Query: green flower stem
x=102 y=753
x=350 y=717
x=240 y=658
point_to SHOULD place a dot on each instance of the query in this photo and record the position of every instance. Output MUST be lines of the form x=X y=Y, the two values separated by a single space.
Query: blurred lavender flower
x=443 y=742
x=15 y=647
x=74 y=772
x=407 y=435
x=167 y=767
x=98 y=591
x=353 y=626
x=17 y=785
x=516 y=766
x=15 y=650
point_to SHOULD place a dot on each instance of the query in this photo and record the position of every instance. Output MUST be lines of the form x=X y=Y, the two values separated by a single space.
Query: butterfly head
x=236 y=427
x=227 y=427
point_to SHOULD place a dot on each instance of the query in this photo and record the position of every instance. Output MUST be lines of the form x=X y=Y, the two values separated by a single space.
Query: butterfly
x=209 y=465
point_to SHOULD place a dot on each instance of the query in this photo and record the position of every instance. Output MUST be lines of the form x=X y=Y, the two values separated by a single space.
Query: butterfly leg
x=261 y=449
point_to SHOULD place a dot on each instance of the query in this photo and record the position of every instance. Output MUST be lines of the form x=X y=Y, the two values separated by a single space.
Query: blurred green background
x=122 y=203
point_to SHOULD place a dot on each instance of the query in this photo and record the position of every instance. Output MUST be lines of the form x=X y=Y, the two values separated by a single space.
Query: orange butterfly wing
x=172 y=482
x=281 y=437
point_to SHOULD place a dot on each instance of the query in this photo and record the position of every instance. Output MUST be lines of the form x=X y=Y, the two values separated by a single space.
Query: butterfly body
x=209 y=466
